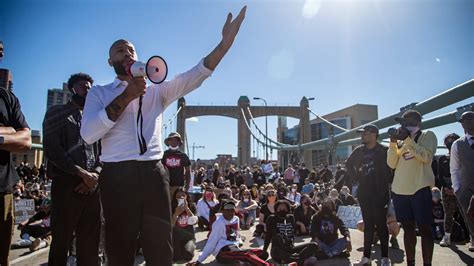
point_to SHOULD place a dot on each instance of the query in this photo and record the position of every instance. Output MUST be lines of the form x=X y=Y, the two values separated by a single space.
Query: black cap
x=468 y=115
x=370 y=127
x=410 y=113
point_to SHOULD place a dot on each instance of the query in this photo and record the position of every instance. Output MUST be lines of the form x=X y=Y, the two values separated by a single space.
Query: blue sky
x=388 y=53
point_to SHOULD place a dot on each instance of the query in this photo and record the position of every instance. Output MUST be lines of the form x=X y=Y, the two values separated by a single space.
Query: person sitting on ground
x=294 y=195
x=40 y=231
x=303 y=215
x=183 y=219
x=267 y=209
x=324 y=229
x=247 y=207
x=205 y=209
x=224 y=241
x=334 y=195
x=346 y=197
x=281 y=233
x=308 y=187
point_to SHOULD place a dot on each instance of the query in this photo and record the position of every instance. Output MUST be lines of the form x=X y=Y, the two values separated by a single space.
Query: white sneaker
x=471 y=245
x=38 y=244
x=363 y=261
x=385 y=262
x=445 y=242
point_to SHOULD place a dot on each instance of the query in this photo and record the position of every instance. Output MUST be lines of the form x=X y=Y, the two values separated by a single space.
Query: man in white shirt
x=462 y=170
x=134 y=185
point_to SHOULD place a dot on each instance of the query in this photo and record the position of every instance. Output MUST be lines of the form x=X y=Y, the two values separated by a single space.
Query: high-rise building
x=58 y=96
x=6 y=79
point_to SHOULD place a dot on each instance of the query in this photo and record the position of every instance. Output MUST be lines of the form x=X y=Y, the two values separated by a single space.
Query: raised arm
x=229 y=31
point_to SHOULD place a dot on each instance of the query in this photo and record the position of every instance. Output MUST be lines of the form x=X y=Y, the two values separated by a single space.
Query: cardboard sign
x=24 y=209
x=350 y=215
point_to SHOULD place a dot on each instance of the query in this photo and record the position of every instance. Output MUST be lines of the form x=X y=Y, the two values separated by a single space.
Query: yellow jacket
x=412 y=163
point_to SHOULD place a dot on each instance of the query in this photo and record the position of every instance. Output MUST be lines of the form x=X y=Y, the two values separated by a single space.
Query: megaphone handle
x=141 y=139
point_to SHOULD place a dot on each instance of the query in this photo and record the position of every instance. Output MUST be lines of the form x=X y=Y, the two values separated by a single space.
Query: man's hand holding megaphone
x=136 y=87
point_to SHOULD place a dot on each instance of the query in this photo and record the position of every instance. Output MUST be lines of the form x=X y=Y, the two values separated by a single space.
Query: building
x=348 y=118
x=34 y=156
x=6 y=79
x=58 y=96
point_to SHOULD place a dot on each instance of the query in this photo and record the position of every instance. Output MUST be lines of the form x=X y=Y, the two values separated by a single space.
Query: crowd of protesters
x=154 y=198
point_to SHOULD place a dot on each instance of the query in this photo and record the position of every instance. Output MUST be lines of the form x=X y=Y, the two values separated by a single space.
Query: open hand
x=231 y=28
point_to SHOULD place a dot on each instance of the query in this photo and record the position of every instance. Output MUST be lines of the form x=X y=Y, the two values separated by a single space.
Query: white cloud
x=192 y=119
x=311 y=8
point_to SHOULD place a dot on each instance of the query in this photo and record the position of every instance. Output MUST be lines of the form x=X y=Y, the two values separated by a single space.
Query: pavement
x=457 y=254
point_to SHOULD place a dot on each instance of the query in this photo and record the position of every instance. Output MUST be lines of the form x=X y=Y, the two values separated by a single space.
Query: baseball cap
x=228 y=205
x=410 y=113
x=469 y=115
x=370 y=127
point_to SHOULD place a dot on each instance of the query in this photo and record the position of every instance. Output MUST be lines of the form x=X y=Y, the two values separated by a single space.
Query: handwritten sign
x=350 y=215
x=24 y=209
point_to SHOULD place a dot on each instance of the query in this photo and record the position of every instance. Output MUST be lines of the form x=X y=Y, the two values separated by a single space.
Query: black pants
x=184 y=243
x=72 y=212
x=136 y=202
x=375 y=216
x=286 y=255
x=36 y=231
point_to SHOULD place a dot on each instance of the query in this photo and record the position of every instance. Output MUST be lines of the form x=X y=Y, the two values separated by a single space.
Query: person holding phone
x=183 y=219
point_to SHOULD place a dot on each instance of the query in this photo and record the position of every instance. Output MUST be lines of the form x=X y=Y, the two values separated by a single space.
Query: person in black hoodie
x=324 y=228
x=368 y=165
x=281 y=233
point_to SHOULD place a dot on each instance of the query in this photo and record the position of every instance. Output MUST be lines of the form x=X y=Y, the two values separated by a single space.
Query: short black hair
x=78 y=77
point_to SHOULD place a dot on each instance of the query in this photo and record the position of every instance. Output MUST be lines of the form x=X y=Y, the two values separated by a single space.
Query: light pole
x=266 y=126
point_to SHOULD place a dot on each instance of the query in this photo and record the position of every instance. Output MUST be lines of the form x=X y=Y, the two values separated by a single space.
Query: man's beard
x=120 y=69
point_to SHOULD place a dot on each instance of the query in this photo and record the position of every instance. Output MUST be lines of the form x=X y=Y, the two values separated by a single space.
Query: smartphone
x=180 y=202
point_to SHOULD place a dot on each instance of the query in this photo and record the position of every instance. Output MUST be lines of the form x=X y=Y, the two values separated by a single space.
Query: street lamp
x=266 y=126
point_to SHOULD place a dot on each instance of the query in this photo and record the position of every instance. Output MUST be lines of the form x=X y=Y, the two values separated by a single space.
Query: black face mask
x=78 y=100
x=448 y=145
x=281 y=214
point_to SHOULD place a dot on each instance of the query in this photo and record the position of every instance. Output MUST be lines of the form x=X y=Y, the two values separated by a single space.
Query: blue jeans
x=335 y=248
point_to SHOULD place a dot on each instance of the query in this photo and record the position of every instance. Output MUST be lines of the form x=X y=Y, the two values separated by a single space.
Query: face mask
x=345 y=193
x=281 y=214
x=413 y=129
x=208 y=195
x=293 y=190
x=174 y=148
x=79 y=100
x=246 y=200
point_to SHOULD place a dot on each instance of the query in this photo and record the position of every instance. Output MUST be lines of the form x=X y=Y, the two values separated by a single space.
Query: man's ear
x=110 y=62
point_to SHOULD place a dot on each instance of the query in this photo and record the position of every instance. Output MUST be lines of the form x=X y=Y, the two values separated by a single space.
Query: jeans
x=335 y=248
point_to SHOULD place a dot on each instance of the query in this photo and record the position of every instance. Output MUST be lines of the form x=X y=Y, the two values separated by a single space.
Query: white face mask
x=246 y=200
x=413 y=129
x=293 y=190
x=174 y=148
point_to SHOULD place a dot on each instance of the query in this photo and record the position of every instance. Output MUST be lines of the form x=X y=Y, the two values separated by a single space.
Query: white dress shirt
x=455 y=164
x=120 y=138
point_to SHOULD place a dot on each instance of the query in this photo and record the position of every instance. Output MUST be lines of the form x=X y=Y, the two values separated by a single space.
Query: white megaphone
x=155 y=69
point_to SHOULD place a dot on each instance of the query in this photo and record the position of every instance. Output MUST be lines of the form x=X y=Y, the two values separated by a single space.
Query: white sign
x=24 y=209
x=350 y=215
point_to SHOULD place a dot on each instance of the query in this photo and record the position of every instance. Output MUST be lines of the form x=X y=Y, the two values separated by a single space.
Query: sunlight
x=311 y=8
